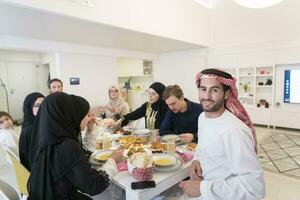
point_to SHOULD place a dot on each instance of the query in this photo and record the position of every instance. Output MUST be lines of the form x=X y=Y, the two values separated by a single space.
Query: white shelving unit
x=254 y=84
x=251 y=83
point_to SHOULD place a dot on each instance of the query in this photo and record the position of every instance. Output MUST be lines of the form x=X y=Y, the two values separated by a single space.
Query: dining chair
x=7 y=192
x=22 y=174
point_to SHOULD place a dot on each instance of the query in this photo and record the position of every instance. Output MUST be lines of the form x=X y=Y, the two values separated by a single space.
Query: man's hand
x=118 y=155
x=186 y=137
x=195 y=170
x=191 y=187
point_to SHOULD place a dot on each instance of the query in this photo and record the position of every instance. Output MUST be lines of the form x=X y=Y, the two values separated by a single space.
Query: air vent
x=84 y=2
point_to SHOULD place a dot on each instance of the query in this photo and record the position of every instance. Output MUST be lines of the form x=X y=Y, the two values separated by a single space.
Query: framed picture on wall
x=147 y=67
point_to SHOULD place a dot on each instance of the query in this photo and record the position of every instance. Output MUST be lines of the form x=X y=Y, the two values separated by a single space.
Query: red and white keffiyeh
x=232 y=102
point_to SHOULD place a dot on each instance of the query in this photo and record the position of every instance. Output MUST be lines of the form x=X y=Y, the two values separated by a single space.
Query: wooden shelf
x=246 y=97
x=245 y=76
x=264 y=75
x=264 y=86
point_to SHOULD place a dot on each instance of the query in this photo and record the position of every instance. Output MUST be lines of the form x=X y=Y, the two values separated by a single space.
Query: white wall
x=3 y=76
x=52 y=60
x=181 y=67
x=95 y=66
x=96 y=74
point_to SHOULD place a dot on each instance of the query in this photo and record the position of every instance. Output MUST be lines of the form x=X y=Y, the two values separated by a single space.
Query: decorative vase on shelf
x=245 y=88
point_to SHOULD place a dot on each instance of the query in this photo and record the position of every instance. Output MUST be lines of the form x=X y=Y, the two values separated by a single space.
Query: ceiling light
x=206 y=3
x=84 y=2
x=257 y=3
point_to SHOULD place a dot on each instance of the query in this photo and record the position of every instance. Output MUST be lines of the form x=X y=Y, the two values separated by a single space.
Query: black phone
x=142 y=185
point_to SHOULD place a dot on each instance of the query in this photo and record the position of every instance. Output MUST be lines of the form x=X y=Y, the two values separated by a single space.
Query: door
x=43 y=78
x=22 y=80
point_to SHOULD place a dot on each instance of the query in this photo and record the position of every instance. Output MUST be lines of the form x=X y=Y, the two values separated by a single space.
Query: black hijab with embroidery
x=28 y=120
x=58 y=123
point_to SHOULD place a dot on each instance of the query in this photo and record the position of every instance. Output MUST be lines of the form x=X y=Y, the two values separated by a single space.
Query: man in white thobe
x=225 y=165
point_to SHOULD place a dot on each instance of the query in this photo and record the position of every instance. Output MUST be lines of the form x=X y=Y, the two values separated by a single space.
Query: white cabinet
x=285 y=118
x=129 y=67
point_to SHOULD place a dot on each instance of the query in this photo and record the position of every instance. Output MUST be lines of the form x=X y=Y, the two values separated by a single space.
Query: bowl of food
x=164 y=160
x=140 y=166
x=102 y=156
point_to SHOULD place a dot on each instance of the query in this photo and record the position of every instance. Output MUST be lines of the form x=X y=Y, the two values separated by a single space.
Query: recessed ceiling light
x=206 y=3
x=257 y=3
x=85 y=2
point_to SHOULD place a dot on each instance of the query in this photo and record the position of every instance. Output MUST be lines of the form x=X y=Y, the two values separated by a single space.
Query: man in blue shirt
x=182 y=116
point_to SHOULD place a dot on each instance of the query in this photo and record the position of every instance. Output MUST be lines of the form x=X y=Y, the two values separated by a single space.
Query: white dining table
x=163 y=180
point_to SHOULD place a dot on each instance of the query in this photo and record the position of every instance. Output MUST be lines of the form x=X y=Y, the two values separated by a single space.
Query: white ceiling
x=229 y=25
x=237 y=25
x=25 y=22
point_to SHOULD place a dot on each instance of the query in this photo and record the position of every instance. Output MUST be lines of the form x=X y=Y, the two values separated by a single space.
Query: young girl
x=8 y=137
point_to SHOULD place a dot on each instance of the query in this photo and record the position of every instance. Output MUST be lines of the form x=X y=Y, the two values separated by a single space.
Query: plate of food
x=136 y=149
x=164 y=160
x=168 y=137
x=158 y=147
x=192 y=146
x=107 y=122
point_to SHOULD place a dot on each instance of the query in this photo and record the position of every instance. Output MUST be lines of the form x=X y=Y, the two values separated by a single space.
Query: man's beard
x=215 y=106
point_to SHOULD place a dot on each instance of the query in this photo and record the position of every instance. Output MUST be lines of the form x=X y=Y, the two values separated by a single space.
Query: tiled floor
x=279 y=186
x=279 y=151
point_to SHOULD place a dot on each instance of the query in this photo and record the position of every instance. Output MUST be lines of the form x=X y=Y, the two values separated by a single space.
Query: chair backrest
x=8 y=192
x=22 y=174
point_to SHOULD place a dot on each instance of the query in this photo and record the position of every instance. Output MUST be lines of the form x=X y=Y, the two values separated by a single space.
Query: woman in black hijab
x=154 y=110
x=60 y=167
x=31 y=105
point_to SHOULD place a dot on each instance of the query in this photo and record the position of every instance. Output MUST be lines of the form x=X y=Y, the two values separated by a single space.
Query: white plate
x=174 y=137
x=142 y=132
x=114 y=136
x=147 y=151
x=170 y=158
x=174 y=167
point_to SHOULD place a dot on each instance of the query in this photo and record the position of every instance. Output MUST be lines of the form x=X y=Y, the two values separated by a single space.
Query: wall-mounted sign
x=74 y=81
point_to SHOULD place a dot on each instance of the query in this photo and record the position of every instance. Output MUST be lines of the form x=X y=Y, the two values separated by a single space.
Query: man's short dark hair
x=54 y=80
x=172 y=90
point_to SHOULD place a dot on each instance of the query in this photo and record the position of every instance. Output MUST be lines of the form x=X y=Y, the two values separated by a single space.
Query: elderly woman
x=60 y=167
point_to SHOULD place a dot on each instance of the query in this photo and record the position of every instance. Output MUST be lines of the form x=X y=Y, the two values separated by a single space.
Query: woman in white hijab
x=116 y=105
x=115 y=108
